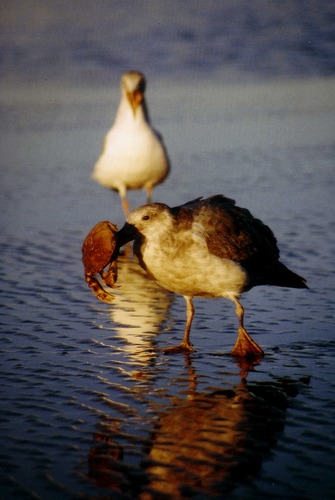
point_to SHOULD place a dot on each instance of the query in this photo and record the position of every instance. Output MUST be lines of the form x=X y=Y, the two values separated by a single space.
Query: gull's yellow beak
x=135 y=98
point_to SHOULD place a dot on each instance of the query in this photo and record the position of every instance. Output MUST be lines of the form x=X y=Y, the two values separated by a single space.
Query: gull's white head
x=133 y=87
x=149 y=218
x=146 y=220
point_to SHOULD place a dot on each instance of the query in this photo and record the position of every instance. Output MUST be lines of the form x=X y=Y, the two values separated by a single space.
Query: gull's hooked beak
x=127 y=233
x=135 y=99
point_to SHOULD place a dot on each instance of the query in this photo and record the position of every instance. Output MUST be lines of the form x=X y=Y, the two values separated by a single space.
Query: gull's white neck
x=125 y=113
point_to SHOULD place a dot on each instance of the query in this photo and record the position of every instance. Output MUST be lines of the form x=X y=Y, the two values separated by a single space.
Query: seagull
x=207 y=248
x=133 y=154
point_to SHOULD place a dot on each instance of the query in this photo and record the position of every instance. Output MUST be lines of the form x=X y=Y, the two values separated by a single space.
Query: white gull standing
x=207 y=248
x=133 y=154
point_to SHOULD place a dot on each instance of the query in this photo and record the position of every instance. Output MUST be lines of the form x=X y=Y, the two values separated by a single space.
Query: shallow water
x=91 y=408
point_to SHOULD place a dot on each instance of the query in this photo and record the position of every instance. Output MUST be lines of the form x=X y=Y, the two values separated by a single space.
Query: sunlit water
x=91 y=407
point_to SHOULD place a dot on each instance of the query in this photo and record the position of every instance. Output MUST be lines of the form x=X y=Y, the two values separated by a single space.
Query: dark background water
x=87 y=42
x=244 y=95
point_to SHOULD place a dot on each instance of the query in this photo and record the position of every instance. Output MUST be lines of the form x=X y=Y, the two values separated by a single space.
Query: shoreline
x=315 y=92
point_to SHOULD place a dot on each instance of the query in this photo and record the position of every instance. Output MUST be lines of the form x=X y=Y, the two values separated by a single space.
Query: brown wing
x=233 y=233
x=98 y=247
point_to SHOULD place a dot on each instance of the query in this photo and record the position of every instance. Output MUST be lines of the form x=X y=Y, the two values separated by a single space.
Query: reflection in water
x=139 y=309
x=202 y=444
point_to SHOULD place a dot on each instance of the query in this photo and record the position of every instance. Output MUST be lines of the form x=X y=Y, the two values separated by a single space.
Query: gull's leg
x=125 y=205
x=123 y=195
x=185 y=345
x=149 y=191
x=126 y=210
x=245 y=346
x=189 y=318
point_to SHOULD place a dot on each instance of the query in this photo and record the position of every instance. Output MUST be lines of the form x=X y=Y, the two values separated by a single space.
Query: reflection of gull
x=139 y=309
x=200 y=446
x=133 y=154
x=208 y=248
x=210 y=443
x=200 y=443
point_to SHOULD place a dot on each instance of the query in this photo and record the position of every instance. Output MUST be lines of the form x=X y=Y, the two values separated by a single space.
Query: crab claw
x=110 y=276
x=97 y=289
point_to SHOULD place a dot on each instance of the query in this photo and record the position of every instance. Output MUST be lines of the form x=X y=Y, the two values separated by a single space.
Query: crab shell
x=100 y=249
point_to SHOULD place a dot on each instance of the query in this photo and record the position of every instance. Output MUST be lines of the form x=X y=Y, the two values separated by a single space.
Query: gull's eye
x=145 y=217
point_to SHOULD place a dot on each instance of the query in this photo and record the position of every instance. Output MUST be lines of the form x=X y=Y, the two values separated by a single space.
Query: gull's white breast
x=182 y=263
x=132 y=155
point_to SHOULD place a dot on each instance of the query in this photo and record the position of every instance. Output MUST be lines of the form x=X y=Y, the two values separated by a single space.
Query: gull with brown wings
x=207 y=248
x=204 y=248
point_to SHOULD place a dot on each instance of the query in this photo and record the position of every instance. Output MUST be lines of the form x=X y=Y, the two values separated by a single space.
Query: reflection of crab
x=100 y=249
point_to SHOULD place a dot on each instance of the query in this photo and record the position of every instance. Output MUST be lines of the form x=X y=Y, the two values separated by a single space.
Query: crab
x=100 y=250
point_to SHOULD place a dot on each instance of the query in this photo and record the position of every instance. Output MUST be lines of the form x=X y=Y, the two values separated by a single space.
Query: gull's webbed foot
x=245 y=346
x=183 y=348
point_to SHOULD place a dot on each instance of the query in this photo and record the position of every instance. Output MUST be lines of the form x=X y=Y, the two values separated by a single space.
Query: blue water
x=85 y=42
x=244 y=95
